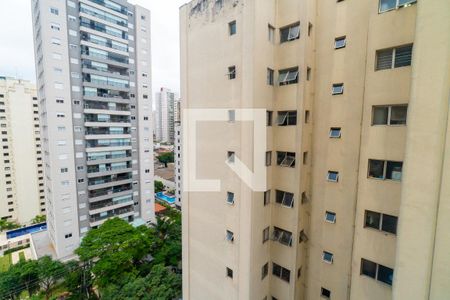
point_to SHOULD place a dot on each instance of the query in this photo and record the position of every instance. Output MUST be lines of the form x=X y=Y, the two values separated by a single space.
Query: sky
x=16 y=46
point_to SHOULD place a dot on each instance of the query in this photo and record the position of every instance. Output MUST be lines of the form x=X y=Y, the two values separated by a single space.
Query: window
x=286 y=159
x=340 y=42
x=308 y=73
x=282 y=236
x=306 y=116
x=382 y=169
x=229 y=273
x=269 y=118
x=335 y=132
x=265 y=235
x=333 y=176
x=60 y=101
x=231 y=115
x=232 y=28
x=288 y=76
x=54 y=11
x=305 y=157
x=304 y=198
x=230 y=156
x=337 y=89
x=231 y=72
x=264 y=271
x=80 y=180
x=268 y=158
x=71 y=4
x=55 y=26
x=377 y=271
x=230 y=198
x=284 y=198
x=230 y=236
x=56 y=41
x=69 y=235
x=387 y=5
x=393 y=57
x=270 y=73
x=379 y=221
x=327 y=257
x=281 y=272
x=325 y=293
x=287 y=118
x=310 y=27
x=290 y=33
x=389 y=115
x=271 y=33
x=60 y=115
x=330 y=217
x=266 y=197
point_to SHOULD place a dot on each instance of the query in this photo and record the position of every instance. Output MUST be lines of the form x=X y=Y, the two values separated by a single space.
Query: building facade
x=356 y=119
x=165 y=101
x=21 y=170
x=93 y=67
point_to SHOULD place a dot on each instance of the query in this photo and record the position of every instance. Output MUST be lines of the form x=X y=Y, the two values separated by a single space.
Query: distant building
x=93 y=69
x=164 y=115
x=21 y=168
x=178 y=163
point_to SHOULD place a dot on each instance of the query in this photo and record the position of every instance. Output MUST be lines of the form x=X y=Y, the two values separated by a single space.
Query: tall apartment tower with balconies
x=21 y=168
x=357 y=162
x=165 y=101
x=93 y=67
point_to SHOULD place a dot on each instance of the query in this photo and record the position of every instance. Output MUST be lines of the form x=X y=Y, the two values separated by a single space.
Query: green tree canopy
x=159 y=186
x=166 y=158
x=115 y=248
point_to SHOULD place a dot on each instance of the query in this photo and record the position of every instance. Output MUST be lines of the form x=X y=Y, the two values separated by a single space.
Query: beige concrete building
x=21 y=175
x=357 y=201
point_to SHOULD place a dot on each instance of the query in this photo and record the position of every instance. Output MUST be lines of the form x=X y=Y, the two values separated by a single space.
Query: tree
x=49 y=272
x=166 y=158
x=114 y=248
x=29 y=275
x=6 y=225
x=159 y=186
x=39 y=219
x=166 y=248
x=78 y=281
x=160 y=283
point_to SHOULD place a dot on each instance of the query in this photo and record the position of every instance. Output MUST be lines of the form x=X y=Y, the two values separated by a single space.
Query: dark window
x=393 y=57
x=265 y=235
x=264 y=270
x=287 y=118
x=373 y=219
x=385 y=274
x=368 y=268
x=232 y=27
x=389 y=224
x=394 y=170
x=281 y=272
x=269 y=118
x=389 y=115
x=288 y=76
x=266 y=197
x=340 y=42
x=337 y=89
x=325 y=293
x=232 y=72
x=286 y=159
x=290 y=33
x=270 y=73
x=229 y=273
x=284 y=198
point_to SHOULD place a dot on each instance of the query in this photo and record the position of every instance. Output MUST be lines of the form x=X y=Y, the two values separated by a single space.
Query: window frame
x=268 y=158
x=292 y=28
x=381 y=218
x=333 y=129
x=232 y=28
x=393 y=51
x=397 y=6
x=230 y=195
x=287 y=116
x=285 y=161
x=385 y=170
x=339 y=92
x=326 y=253
x=290 y=200
x=282 y=271
x=332 y=172
x=376 y=276
x=231 y=72
x=340 y=39
x=389 y=114
x=282 y=236
x=285 y=73
x=330 y=213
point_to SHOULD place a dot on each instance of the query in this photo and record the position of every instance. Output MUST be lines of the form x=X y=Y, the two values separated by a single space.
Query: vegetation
x=117 y=261
x=5 y=262
x=166 y=158
x=159 y=186
x=39 y=219
x=6 y=225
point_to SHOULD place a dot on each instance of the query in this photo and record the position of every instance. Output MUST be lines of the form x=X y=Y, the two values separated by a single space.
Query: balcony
x=113 y=6
x=101 y=195
x=104 y=69
x=84 y=22
x=96 y=183
x=105 y=118
x=123 y=212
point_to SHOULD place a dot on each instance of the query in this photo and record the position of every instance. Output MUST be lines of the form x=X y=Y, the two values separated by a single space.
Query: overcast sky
x=16 y=46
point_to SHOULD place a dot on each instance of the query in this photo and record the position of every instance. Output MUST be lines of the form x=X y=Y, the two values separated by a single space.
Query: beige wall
x=206 y=52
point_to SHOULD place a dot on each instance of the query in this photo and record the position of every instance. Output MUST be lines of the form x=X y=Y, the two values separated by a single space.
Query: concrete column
x=424 y=158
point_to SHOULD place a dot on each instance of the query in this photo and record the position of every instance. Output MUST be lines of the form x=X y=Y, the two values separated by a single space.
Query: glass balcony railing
x=109 y=178
x=112 y=213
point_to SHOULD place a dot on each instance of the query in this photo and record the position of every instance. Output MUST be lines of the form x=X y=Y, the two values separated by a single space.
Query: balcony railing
x=112 y=213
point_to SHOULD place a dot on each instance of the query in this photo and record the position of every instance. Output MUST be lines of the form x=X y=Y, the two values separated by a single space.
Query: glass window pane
x=288 y=199
x=292 y=76
x=380 y=115
x=372 y=219
x=403 y=56
x=403 y=2
x=368 y=268
x=335 y=132
x=384 y=59
x=394 y=170
x=294 y=32
x=284 y=34
x=387 y=5
x=389 y=224
x=279 y=196
x=376 y=168
x=385 y=274
x=398 y=115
